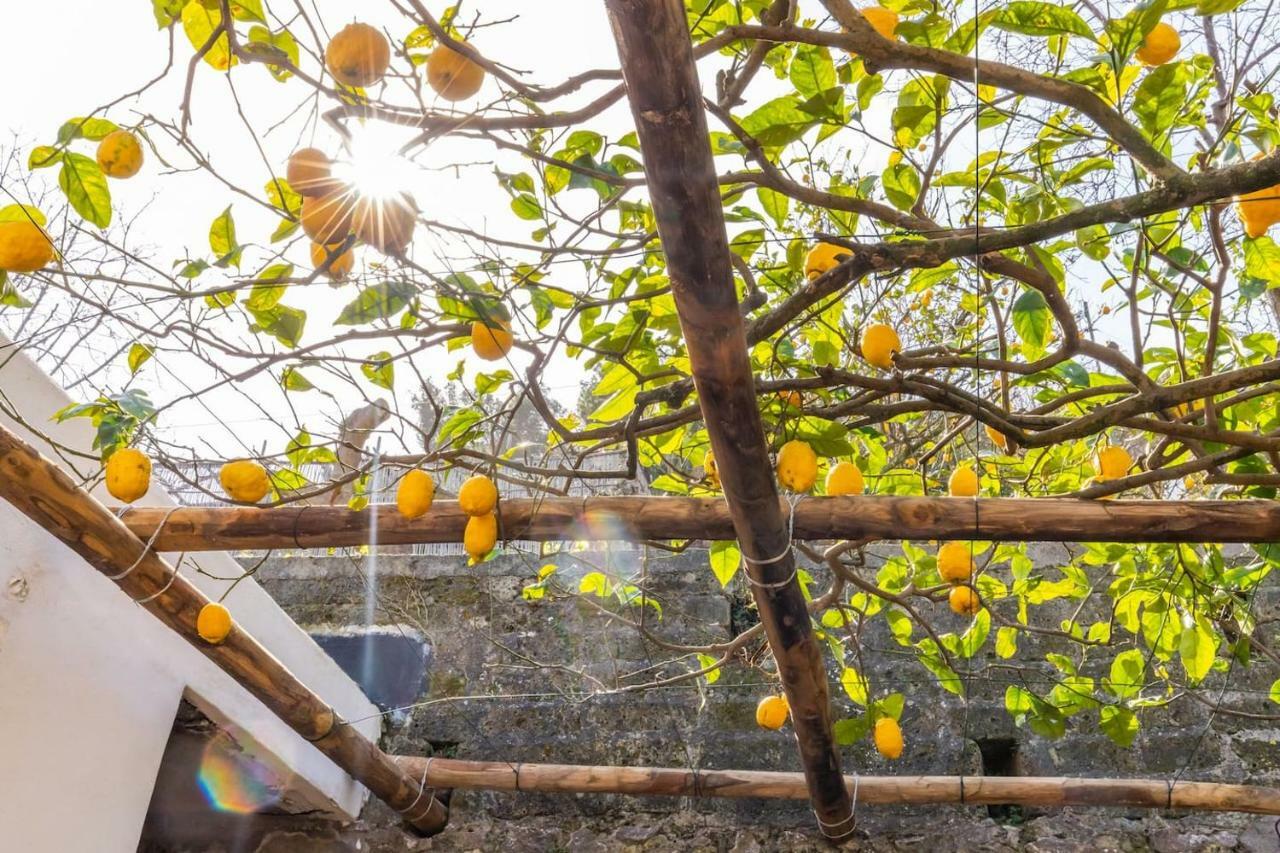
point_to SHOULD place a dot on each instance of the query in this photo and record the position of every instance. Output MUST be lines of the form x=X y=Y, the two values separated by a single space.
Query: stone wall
x=552 y=659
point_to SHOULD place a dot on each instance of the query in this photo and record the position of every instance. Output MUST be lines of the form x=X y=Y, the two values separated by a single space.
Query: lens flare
x=375 y=166
x=232 y=781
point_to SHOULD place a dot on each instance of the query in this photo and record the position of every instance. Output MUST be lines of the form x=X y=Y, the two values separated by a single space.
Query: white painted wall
x=90 y=682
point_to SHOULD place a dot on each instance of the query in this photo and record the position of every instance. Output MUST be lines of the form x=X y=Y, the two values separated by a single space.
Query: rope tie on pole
x=334 y=720
x=422 y=788
x=297 y=520
x=146 y=546
x=851 y=820
x=780 y=556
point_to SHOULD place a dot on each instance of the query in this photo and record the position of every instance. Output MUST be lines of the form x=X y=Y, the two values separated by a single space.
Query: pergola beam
x=1053 y=791
x=45 y=494
x=666 y=518
x=665 y=95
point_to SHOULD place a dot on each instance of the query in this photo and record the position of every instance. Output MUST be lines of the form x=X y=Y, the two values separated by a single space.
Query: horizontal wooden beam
x=871 y=790
x=46 y=495
x=642 y=517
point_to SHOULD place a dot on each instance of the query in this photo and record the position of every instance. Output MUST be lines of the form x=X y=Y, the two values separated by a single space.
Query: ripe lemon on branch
x=128 y=474
x=963 y=482
x=884 y=21
x=964 y=600
x=772 y=712
x=879 y=345
x=480 y=536
x=1259 y=210
x=823 y=257
x=453 y=76
x=341 y=266
x=309 y=172
x=888 y=737
x=213 y=623
x=844 y=478
x=120 y=154
x=415 y=493
x=24 y=247
x=327 y=218
x=478 y=495
x=358 y=55
x=491 y=342
x=797 y=466
x=1113 y=462
x=1160 y=45
x=955 y=561
x=245 y=480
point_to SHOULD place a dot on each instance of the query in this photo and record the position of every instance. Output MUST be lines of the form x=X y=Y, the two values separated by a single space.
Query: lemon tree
x=1033 y=245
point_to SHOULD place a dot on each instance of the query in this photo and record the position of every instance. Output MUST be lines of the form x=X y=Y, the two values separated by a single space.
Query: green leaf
x=812 y=70
x=778 y=122
x=293 y=380
x=1274 y=696
x=1198 y=647
x=378 y=301
x=1033 y=321
x=526 y=206
x=1119 y=724
x=9 y=295
x=222 y=240
x=1040 y=19
x=248 y=10
x=200 y=22
x=774 y=203
x=1160 y=97
x=855 y=685
x=139 y=354
x=86 y=188
x=93 y=129
x=379 y=370
x=166 y=11
x=852 y=729
x=283 y=323
x=594 y=583
x=976 y=634
x=725 y=559
x=705 y=661
x=1007 y=642
x=43 y=156
x=1126 y=674
x=901 y=185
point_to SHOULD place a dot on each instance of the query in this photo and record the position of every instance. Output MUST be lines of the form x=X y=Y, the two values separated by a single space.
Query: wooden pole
x=661 y=78
x=47 y=496
x=872 y=790
x=642 y=517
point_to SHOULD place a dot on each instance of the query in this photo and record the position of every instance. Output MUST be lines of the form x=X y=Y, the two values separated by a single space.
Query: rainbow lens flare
x=232 y=781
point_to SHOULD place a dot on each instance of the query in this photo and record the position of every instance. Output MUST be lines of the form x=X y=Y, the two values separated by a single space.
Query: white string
x=146 y=548
x=852 y=818
x=768 y=561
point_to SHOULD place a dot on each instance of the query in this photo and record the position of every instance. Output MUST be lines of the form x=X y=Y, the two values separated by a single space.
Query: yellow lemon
x=963 y=482
x=310 y=173
x=712 y=472
x=327 y=218
x=1160 y=45
x=341 y=266
x=844 y=478
x=213 y=623
x=879 y=344
x=120 y=154
x=797 y=466
x=24 y=247
x=128 y=474
x=245 y=480
x=823 y=257
x=386 y=223
x=772 y=712
x=888 y=737
x=415 y=493
x=453 y=76
x=998 y=438
x=964 y=600
x=478 y=495
x=884 y=21
x=1259 y=210
x=955 y=561
x=490 y=342
x=1113 y=462
x=480 y=536
x=358 y=55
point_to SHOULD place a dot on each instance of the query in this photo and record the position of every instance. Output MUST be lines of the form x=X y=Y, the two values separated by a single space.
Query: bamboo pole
x=46 y=495
x=665 y=95
x=643 y=517
x=1054 y=791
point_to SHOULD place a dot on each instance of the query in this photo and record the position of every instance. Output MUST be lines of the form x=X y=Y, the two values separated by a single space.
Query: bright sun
x=374 y=165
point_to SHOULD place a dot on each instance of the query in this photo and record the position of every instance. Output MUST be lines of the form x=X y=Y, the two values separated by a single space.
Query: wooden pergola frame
x=661 y=78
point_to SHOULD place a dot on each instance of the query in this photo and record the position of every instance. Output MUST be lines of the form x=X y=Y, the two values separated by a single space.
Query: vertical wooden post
x=666 y=100
x=46 y=495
